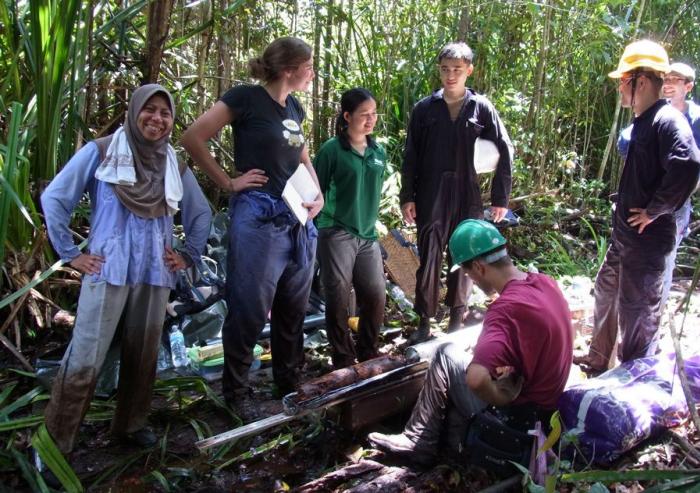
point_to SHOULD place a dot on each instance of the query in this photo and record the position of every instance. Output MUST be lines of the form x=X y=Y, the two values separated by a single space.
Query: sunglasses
x=672 y=79
x=626 y=79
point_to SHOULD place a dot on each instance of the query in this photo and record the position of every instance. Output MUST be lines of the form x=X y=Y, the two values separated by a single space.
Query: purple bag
x=616 y=411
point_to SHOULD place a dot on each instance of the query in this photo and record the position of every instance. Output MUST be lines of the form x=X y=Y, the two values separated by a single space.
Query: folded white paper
x=300 y=187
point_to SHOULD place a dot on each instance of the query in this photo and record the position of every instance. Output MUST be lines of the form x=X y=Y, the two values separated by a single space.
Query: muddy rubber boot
x=456 y=318
x=401 y=445
x=145 y=437
x=280 y=389
x=421 y=334
x=245 y=406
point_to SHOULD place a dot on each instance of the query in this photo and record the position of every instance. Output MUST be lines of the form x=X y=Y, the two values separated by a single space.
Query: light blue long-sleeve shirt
x=133 y=247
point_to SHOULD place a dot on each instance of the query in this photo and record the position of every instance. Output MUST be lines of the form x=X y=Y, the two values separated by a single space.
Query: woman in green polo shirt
x=350 y=169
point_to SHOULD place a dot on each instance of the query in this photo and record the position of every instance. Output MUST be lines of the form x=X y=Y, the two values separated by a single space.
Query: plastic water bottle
x=257 y=352
x=177 y=347
x=399 y=297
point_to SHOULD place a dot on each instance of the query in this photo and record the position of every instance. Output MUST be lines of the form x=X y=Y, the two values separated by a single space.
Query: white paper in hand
x=300 y=187
x=486 y=156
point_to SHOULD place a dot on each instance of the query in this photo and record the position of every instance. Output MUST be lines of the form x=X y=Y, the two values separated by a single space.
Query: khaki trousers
x=140 y=311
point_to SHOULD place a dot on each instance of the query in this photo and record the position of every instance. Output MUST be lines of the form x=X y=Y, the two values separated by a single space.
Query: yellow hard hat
x=642 y=54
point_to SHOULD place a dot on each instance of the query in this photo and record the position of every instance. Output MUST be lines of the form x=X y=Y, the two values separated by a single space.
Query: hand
x=639 y=218
x=509 y=384
x=173 y=260
x=498 y=213
x=504 y=371
x=87 y=264
x=315 y=206
x=409 y=212
x=254 y=178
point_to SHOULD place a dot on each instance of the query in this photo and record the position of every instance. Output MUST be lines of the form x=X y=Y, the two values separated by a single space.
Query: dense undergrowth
x=67 y=68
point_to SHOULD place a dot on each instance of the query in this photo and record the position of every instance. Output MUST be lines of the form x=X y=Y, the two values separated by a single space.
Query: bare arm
x=315 y=206
x=195 y=139
x=499 y=392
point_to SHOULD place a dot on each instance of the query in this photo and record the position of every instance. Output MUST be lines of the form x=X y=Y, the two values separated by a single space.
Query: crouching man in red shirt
x=520 y=363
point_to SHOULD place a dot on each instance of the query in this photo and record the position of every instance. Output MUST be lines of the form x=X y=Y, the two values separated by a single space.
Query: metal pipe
x=466 y=337
x=330 y=399
x=310 y=322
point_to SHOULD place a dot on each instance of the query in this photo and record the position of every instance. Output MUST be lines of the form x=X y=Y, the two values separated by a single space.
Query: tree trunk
x=348 y=34
x=327 y=74
x=315 y=104
x=612 y=136
x=90 y=80
x=203 y=54
x=464 y=21
x=158 y=26
x=536 y=101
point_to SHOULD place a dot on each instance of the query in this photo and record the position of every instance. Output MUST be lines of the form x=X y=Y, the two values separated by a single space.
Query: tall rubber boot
x=421 y=334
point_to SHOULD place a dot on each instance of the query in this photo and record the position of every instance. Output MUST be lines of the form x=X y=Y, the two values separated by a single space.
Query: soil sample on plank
x=348 y=376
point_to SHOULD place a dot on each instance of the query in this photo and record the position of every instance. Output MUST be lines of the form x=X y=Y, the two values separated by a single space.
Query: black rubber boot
x=456 y=318
x=244 y=405
x=421 y=334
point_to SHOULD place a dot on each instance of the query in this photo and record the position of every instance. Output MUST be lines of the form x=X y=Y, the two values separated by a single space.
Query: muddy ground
x=294 y=454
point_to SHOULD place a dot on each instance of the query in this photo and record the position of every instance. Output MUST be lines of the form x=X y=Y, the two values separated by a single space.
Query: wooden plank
x=384 y=402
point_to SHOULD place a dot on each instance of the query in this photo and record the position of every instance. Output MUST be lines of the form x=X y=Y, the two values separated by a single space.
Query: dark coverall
x=661 y=171
x=438 y=175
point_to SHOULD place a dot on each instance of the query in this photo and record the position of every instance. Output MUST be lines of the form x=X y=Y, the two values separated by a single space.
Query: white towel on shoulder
x=118 y=168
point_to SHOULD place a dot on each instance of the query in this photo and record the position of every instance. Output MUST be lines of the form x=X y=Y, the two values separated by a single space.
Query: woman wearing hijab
x=135 y=187
x=269 y=266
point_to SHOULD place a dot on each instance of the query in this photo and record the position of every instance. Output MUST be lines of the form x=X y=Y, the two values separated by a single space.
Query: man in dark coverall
x=661 y=171
x=439 y=183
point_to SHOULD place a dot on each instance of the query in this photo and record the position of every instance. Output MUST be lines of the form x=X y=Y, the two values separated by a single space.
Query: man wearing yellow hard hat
x=677 y=85
x=661 y=171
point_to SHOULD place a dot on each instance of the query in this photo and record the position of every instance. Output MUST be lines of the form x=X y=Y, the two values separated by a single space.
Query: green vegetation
x=67 y=69
x=66 y=72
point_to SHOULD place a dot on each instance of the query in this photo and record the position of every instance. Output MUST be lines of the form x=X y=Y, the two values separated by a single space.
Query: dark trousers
x=629 y=296
x=434 y=230
x=264 y=275
x=141 y=309
x=446 y=403
x=348 y=261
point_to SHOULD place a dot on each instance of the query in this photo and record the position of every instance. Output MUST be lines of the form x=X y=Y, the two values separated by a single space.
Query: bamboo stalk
x=691 y=451
x=13 y=313
x=680 y=362
x=11 y=347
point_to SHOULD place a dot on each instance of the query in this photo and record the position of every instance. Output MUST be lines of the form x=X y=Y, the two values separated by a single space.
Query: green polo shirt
x=351 y=186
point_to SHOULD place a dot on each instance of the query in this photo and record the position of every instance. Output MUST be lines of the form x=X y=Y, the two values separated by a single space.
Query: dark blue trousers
x=269 y=269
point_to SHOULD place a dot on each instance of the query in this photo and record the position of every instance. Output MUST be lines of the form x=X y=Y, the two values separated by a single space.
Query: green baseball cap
x=473 y=238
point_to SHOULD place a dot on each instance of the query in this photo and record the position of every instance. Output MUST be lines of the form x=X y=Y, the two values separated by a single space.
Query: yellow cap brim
x=623 y=68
